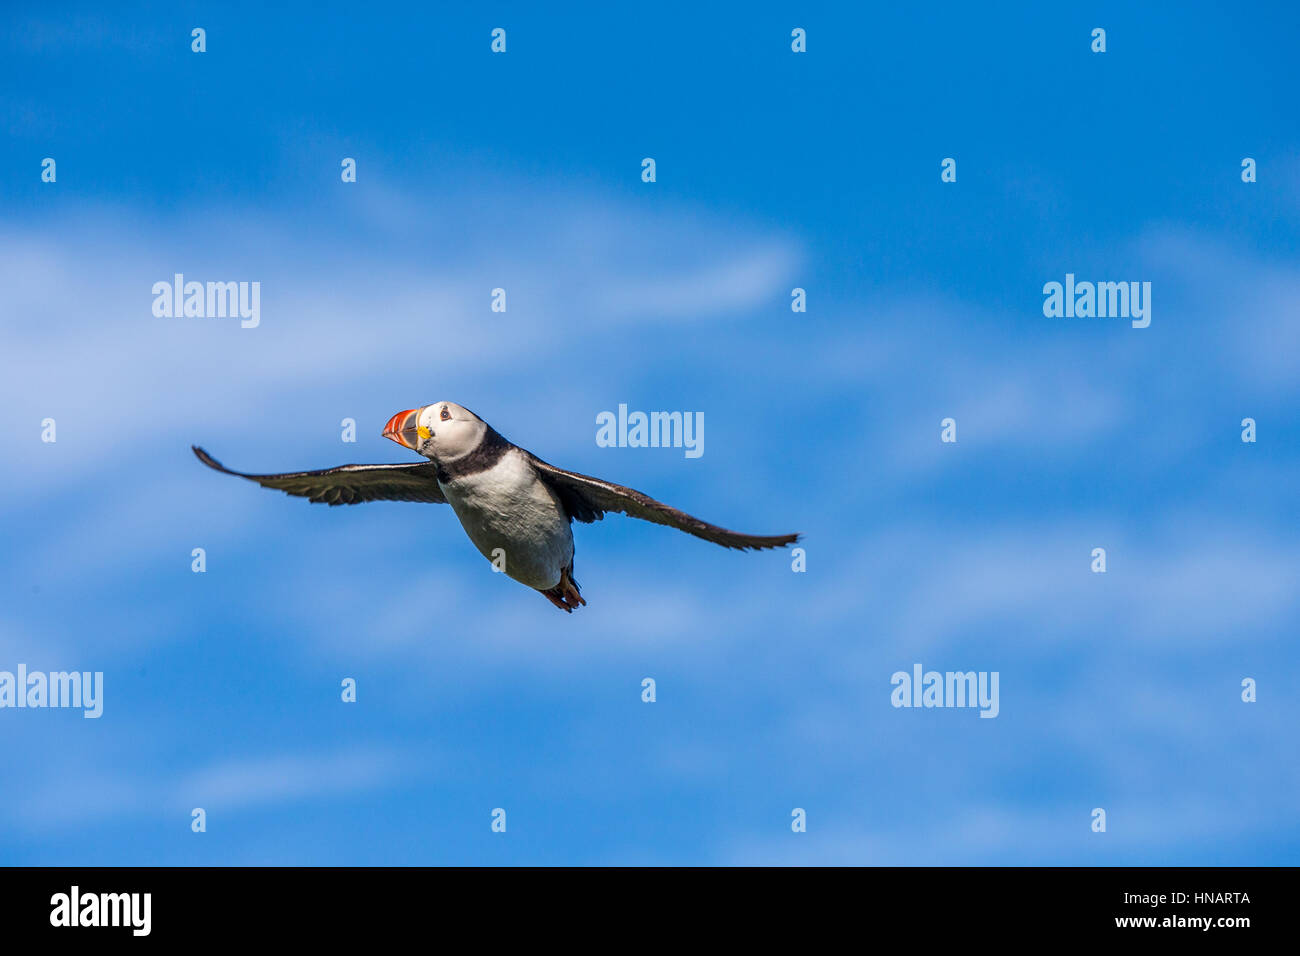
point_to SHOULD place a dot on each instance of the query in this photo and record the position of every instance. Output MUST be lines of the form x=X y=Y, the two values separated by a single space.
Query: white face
x=447 y=431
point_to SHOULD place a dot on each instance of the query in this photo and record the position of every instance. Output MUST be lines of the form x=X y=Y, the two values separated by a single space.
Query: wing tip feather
x=773 y=541
x=207 y=459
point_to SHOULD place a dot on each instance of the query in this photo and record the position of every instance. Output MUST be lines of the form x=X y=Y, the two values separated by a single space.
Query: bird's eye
x=446 y=415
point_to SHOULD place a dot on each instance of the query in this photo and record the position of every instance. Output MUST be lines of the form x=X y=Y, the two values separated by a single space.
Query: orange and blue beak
x=403 y=428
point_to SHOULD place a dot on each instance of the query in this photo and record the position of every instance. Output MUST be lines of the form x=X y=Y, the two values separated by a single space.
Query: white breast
x=513 y=517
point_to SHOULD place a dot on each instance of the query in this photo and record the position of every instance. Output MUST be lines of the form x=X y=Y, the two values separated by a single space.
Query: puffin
x=516 y=509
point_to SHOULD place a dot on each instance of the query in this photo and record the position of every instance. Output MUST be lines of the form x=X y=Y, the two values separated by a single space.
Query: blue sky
x=774 y=170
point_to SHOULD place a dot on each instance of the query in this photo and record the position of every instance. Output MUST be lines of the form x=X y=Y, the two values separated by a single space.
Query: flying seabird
x=516 y=508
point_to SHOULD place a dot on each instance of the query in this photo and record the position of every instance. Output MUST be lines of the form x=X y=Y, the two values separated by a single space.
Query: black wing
x=349 y=484
x=587 y=499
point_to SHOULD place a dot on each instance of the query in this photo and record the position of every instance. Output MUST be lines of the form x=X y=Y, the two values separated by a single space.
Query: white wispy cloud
x=87 y=791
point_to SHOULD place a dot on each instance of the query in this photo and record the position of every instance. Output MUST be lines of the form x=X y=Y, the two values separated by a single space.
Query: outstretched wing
x=587 y=499
x=349 y=484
